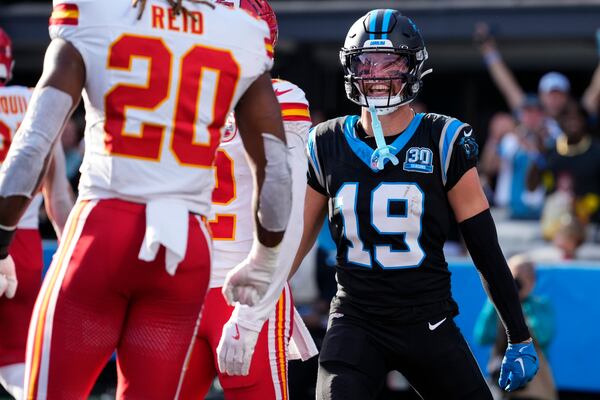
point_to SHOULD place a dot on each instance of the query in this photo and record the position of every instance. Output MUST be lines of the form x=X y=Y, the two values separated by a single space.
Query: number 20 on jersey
x=147 y=143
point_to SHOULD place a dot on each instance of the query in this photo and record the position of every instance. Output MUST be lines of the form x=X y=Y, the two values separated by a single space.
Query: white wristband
x=262 y=256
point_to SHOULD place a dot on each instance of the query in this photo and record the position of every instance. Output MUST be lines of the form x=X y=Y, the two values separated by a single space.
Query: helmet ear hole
x=415 y=87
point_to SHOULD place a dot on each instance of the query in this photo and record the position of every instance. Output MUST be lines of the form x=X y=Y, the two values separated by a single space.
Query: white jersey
x=157 y=93
x=13 y=104
x=232 y=224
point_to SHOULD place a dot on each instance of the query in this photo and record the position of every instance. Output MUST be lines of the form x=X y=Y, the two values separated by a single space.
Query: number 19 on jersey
x=384 y=223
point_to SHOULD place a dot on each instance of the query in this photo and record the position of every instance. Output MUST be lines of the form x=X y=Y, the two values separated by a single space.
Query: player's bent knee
x=338 y=380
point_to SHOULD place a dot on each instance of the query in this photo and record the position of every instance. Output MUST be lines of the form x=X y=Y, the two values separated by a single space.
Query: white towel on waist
x=167 y=225
x=302 y=346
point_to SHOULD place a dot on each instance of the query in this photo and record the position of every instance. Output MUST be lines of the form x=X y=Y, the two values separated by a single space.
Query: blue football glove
x=519 y=366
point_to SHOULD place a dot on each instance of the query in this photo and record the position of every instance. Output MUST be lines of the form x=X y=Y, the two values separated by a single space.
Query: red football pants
x=26 y=251
x=98 y=297
x=267 y=378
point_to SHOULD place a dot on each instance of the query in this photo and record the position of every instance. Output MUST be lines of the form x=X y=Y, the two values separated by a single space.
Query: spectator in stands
x=569 y=237
x=512 y=156
x=540 y=319
x=567 y=240
x=500 y=124
x=575 y=154
x=553 y=88
x=591 y=97
x=558 y=205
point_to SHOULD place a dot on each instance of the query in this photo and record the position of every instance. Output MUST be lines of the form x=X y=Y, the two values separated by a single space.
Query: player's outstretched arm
x=53 y=100
x=258 y=116
x=235 y=352
x=58 y=195
x=591 y=97
x=55 y=96
x=470 y=206
x=502 y=76
x=315 y=207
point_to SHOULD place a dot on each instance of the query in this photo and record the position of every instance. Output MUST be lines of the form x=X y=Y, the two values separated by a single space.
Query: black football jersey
x=390 y=225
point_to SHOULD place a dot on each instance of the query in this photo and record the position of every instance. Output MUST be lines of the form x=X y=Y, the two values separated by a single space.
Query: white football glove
x=8 y=278
x=236 y=347
x=248 y=282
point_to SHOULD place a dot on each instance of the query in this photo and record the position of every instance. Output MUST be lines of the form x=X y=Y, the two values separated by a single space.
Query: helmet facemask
x=393 y=37
x=385 y=78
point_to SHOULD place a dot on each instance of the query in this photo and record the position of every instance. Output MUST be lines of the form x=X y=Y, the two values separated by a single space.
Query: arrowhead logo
x=280 y=92
x=237 y=333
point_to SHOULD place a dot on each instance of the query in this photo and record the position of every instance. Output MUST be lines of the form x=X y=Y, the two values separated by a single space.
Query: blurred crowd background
x=526 y=75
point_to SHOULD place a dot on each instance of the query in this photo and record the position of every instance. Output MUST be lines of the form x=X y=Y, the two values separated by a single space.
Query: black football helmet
x=383 y=58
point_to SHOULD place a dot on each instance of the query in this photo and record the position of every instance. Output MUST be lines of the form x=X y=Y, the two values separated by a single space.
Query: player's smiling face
x=381 y=74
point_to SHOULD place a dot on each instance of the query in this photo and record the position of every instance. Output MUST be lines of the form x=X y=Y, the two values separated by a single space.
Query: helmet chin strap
x=383 y=151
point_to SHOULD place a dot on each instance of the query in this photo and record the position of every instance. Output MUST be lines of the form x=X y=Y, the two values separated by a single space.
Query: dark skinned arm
x=258 y=112
x=64 y=70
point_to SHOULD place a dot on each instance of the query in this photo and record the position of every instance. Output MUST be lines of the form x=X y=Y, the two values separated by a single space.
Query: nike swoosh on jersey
x=432 y=327
x=469 y=133
x=280 y=92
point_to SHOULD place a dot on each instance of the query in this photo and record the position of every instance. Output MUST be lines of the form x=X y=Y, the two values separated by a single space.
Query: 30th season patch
x=419 y=159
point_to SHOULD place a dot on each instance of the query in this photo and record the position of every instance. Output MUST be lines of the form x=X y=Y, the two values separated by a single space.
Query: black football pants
x=357 y=355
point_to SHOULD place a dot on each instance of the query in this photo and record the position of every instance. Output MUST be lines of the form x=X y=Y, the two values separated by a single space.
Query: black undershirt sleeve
x=481 y=239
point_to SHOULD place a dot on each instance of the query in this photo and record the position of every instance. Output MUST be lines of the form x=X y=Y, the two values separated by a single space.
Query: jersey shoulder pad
x=451 y=133
x=444 y=128
x=330 y=128
x=287 y=92
x=294 y=106
x=68 y=12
